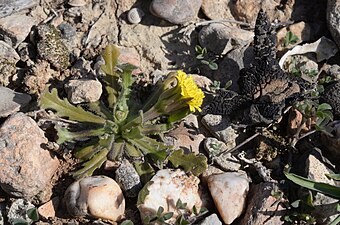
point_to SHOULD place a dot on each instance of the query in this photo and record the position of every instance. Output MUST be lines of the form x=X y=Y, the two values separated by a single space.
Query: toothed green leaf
x=94 y=163
x=121 y=109
x=65 y=135
x=144 y=170
x=110 y=55
x=87 y=152
x=154 y=149
x=333 y=176
x=50 y=100
x=196 y=164
x=132 y=151
x=315 y=186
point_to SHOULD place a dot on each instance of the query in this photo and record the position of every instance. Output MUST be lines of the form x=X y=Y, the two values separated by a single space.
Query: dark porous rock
x=26 y=168
x=261 y=208
x=175 y=11
x=332 y=97
x=128 y=178
x=7 y=7
x=8 y=59
x=333 y=18
x=67 y=31
x=51 y=48
x=11 y=101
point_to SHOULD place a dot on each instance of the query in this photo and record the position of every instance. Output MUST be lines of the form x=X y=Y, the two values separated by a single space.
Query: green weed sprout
x=114 y=131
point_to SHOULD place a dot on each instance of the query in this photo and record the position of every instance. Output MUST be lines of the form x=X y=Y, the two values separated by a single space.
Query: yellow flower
x=189 y=90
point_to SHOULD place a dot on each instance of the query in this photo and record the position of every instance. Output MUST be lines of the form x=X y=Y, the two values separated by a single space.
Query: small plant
x=289 y=39
x=201 y=54
x=327 y=189
x=32 y=215
x=114 y=131
x=183 y=217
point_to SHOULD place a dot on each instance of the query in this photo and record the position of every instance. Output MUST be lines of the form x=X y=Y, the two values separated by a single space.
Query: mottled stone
x=21 y=155
x=11 y=101
x=96 y=196
x=128 y=178
x=51 y=48
x=80 y=91
x=175 y=11
x=229 y=192
x=261 y=207
x=18 y=211
x=221 y=39
x=15 y=28
x=8 y=58
x=7 y=7
x=333 y=19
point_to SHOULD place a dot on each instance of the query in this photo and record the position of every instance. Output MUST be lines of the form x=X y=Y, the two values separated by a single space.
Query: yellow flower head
x=189 y=90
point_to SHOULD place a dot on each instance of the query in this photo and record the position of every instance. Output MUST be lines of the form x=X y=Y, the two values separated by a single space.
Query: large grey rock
x=221 y=128
x=7 y=7
x=26 y=167
x=232 y=63
x=11 y=101
x=333 y=19
x=15 y=28
x=261 y=208
x=8 y=58
x=220 y=38
x=175 y=11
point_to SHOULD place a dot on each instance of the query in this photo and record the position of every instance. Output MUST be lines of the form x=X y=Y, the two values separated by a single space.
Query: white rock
x=211 y=220
x=96 y=196
x=164 y=190
x=80 y=91
x=229 y=191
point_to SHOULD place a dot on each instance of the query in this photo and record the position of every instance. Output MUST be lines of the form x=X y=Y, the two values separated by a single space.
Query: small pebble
x=135 y=15
x=176 y=11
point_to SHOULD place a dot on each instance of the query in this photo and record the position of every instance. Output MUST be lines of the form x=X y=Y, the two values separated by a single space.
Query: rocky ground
x=59 y=44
